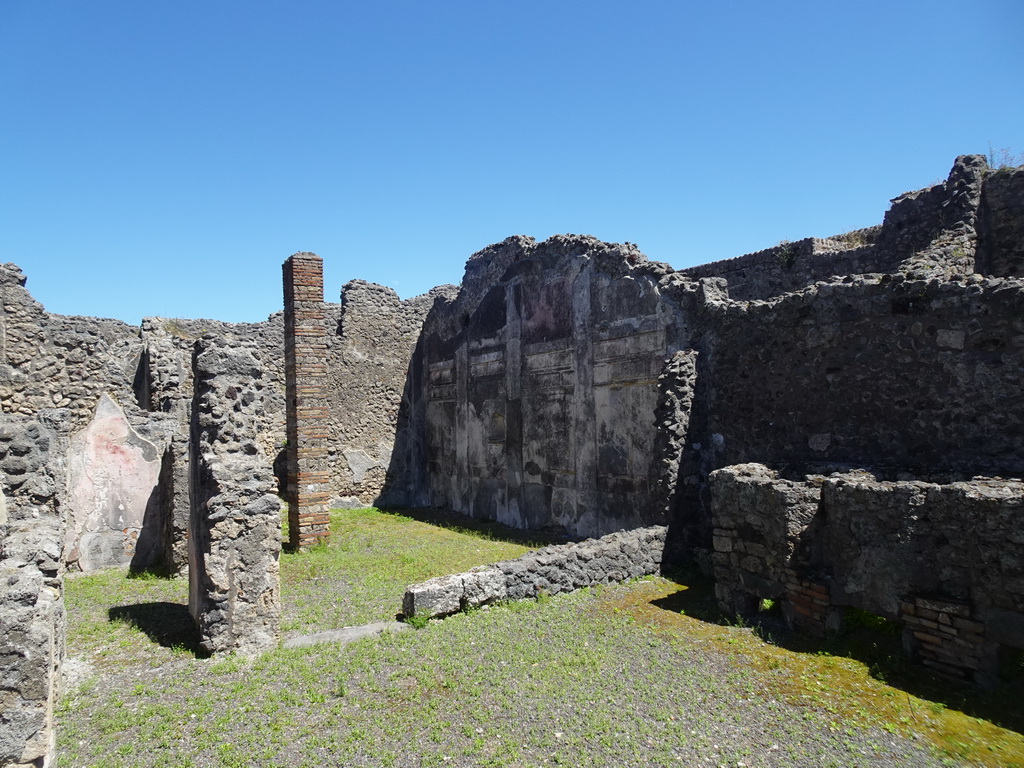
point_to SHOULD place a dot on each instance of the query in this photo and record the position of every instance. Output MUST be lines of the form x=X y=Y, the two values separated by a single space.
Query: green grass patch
x=372 y=556
x=636 y=674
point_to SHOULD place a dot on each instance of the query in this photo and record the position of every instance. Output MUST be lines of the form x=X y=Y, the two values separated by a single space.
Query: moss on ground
x=638 y=674
x=859 y=678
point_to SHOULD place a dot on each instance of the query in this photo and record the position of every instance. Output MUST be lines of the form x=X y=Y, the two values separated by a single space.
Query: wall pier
x=305 y=355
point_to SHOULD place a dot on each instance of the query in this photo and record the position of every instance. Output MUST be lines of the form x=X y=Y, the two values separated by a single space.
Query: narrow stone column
x=305 y=367
x=235 y=515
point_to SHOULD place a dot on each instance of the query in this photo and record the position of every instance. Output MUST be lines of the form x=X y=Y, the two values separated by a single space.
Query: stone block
x=551 y=570
x=435 y=597
x=481 y=586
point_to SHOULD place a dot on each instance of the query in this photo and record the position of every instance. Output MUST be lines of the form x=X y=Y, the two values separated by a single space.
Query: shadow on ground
x=444 y=518
x=166 y=624
x=876 y=644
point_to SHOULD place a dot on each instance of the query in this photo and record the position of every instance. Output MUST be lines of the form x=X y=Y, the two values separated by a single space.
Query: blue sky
x=165 y=158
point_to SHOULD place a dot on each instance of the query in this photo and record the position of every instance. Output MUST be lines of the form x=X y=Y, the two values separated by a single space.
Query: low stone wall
x=759 y=520
x=32 y=617
x=234 y=525
x=554 y=569
x=942 y=558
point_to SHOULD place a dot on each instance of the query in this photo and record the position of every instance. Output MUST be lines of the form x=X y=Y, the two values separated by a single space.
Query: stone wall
x=87 y=368
x=49 y=361
x=551 y=570
x=163 y=385
x=533 y=391
x=790 y=266
x=930 y=233
x=1002 y=224
x=163 y=382
x=234 y=527
x=939 y=557
x=371 y=336
x=32 y=617
x=875 y=370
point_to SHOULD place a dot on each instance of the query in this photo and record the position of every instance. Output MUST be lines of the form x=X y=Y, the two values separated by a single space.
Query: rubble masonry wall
x=234 y=528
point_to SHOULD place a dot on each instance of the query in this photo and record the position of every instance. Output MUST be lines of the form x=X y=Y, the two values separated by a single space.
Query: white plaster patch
x=359 y=463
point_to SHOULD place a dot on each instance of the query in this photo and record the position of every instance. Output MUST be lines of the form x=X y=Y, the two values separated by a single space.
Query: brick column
x=305 y=366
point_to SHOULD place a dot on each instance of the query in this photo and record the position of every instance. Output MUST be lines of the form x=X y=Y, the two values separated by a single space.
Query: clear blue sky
x=165 y=158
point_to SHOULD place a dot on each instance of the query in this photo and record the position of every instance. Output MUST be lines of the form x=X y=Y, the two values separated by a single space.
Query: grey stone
x=234 y=526
x=347 y=634
x=436 y=597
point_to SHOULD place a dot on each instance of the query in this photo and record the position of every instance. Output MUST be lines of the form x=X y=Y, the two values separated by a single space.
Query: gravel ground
x=625 y=675
x=560 y=682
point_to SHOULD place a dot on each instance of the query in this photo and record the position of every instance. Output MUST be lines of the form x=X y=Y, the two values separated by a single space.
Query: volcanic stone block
x=234 y=526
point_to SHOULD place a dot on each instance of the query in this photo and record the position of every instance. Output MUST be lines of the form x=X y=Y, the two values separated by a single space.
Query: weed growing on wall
x=785 y=253
x=1004 y=158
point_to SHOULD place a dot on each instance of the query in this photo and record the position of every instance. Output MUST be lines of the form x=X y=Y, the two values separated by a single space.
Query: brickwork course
x=305 y=352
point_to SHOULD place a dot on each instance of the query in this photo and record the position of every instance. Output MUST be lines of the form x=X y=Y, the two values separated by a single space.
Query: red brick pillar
x=305 y=365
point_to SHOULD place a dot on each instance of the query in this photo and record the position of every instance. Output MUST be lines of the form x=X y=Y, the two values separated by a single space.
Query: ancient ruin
x=831 y=423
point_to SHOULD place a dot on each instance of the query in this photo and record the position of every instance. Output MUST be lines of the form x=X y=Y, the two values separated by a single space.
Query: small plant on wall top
x=786 y=253
x=1004 y=158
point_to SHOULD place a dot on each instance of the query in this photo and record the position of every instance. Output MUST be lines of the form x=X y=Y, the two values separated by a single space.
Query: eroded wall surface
x=32 y=617
x=938 y=556
x=234 y=525
x=532 y=393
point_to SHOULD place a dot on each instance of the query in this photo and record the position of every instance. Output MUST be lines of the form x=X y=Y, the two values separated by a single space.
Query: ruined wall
x=957 y=540
x=790 y=266
x=164 y=379
x=371 y=336
x=49 y=361
x=760 y=523
x=73 y=363
x=32 y=617
x=1002 y=224
x=234 y=526
x=873 y=370
x=533 y=392
x=540 y=395
x=929 y=233
x=941 y=558
x=86 y=367
x=163 y=385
